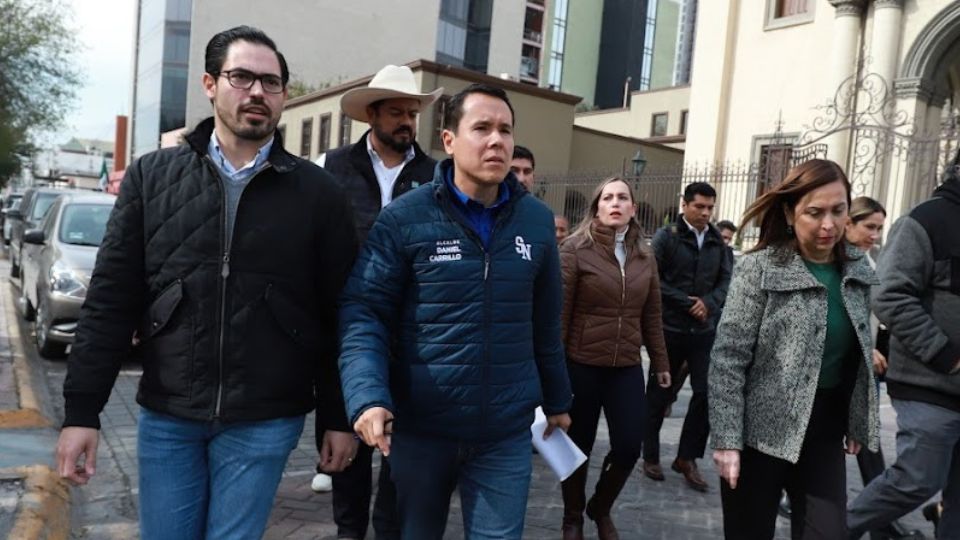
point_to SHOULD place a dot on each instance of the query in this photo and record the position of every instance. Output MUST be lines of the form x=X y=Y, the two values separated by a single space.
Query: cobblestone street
x=107 y=507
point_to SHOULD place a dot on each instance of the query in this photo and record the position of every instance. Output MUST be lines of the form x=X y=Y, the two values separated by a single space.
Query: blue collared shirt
x=235 y=180
x=481 y=218
x=243 y=174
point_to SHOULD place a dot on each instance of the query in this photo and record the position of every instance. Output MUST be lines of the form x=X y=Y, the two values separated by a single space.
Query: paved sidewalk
x=107 y=507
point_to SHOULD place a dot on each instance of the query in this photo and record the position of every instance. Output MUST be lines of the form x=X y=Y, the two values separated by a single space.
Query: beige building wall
x=506 y=38
x=543 y=122
x=752 y=79
x=595 y=151
x=637 y=120
x=324 y=41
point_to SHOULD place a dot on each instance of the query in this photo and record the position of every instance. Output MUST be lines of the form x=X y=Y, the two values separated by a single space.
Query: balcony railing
x=534 y=36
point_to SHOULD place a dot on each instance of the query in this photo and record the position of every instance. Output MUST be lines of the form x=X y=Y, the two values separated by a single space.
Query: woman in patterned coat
x=791 y=373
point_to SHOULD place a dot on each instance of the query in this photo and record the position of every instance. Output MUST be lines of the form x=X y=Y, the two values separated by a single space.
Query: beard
x=245 y=128
x=400 y=146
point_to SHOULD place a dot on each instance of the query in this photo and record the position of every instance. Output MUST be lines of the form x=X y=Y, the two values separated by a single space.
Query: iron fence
x=659 y=191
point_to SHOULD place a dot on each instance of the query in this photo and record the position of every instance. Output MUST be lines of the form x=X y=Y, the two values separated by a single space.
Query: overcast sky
x=105 y=34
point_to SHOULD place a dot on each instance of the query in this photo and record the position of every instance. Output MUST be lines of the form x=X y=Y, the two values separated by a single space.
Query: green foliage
x=38 y=75
x=297 y=88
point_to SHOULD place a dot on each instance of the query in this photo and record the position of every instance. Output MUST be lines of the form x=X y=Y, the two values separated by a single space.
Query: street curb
x=43 y=511
x=30 y=414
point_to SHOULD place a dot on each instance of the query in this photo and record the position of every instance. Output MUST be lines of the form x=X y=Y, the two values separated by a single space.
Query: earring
x=790 y=230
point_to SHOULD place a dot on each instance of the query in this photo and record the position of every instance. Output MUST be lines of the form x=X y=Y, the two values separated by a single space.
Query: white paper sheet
x=560 y=453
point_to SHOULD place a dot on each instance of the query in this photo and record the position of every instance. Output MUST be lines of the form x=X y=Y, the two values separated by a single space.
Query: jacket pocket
x=167 y=342
x=295 y=322
x=162 y=308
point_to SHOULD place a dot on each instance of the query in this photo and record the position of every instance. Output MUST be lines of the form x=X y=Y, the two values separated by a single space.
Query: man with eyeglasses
x=225 y=256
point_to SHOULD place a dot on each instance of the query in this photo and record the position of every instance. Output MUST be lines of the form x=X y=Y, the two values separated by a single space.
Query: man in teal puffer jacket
x=450 y=331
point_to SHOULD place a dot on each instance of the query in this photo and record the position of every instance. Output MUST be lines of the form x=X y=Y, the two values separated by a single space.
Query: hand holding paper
x=556 y=447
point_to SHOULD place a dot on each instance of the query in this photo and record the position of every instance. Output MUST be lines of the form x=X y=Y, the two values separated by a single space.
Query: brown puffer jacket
x=608 y=313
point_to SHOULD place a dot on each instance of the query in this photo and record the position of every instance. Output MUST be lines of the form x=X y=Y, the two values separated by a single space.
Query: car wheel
x=26 y=308
x=46 y=348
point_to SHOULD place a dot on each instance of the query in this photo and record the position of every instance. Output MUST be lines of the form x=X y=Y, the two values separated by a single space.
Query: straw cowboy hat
x=389 y=83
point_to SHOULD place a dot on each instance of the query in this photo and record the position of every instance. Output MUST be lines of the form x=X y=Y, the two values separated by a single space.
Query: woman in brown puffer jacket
x=611 y=307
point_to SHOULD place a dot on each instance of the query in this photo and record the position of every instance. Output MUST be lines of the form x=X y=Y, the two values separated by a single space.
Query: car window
x=13 y=201
x=44 y=202
x=47 y=224
x=84 y=224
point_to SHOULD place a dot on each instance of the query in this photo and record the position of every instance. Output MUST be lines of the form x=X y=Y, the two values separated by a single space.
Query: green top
x=841 y=337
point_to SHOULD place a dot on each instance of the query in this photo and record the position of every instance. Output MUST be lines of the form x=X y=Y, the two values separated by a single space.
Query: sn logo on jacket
x=523 y=249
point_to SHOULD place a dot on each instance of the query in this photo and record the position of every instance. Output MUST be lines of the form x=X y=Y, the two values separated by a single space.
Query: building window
x=683 y=122
x=558 y=42
x=439 y=115
x=463 y=33
x=323 y=144
x=775 y=160
x=658 y=125
x=646 y=64
x=783 y=13
x=345 y=124
x=789 y=8
x=306 y=132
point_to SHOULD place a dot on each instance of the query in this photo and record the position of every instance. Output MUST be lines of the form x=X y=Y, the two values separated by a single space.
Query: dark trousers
x=619 y=392
x=816 y=484
x=351 y=499
x=694 y=349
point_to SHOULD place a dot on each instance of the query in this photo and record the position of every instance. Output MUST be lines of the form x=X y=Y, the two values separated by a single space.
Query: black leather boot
x=612 y=480
x=574 y=501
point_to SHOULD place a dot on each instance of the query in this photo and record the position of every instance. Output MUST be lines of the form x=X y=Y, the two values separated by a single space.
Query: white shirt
x=701 y=235
x=386 y=176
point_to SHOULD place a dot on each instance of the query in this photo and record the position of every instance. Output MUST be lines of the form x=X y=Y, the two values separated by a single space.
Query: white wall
x=324 y=41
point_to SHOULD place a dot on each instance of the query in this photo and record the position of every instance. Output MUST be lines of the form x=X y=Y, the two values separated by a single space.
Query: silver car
x=57 y=261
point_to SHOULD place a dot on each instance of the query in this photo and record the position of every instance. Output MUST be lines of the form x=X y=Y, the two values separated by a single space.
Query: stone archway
x=928 y=92
x=924 y=71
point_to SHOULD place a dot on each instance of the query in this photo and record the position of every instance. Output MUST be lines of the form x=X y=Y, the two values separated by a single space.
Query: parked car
x=58 y=258
x=33 y=207
x=12 y=202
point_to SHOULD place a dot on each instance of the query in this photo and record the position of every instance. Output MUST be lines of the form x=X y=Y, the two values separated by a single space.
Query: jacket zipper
x=623 y=295
x=446 y=205
x=225 y=273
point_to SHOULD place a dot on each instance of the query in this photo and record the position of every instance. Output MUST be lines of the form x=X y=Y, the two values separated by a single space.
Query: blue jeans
x=493 y=477
x=928 y=461
x=209 y=479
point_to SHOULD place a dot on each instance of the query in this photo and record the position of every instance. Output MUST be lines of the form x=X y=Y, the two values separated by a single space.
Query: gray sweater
x=919 y=300
x=765 y=362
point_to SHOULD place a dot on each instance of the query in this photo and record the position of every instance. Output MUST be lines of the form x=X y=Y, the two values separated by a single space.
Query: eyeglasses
x=242 y=79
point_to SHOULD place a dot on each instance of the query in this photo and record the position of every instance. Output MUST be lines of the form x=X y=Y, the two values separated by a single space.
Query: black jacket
x=241 y=332
x=351 y=166
x=688 y=271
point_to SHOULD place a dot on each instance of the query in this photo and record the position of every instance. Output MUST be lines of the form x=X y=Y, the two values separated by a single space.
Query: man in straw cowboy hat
x=385 y=163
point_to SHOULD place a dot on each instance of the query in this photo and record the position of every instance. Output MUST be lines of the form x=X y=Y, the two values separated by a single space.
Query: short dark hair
x=699 y=188
x=455 y=105
x=216 y=53
x=522 y=152
x=726 y=224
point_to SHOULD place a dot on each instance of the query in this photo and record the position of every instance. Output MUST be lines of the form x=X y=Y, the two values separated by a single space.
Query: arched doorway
x=929 y=86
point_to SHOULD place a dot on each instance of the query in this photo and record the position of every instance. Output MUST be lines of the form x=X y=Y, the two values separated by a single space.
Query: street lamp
x=639 y=162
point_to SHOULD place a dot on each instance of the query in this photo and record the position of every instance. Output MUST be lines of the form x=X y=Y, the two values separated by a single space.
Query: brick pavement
x=646 y=510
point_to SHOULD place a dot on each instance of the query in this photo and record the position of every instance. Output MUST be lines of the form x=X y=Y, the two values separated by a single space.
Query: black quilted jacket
x=351 y=167
x=240 y=332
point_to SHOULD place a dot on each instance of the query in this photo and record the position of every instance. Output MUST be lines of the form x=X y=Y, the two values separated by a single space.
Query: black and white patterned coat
x=766 y=358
